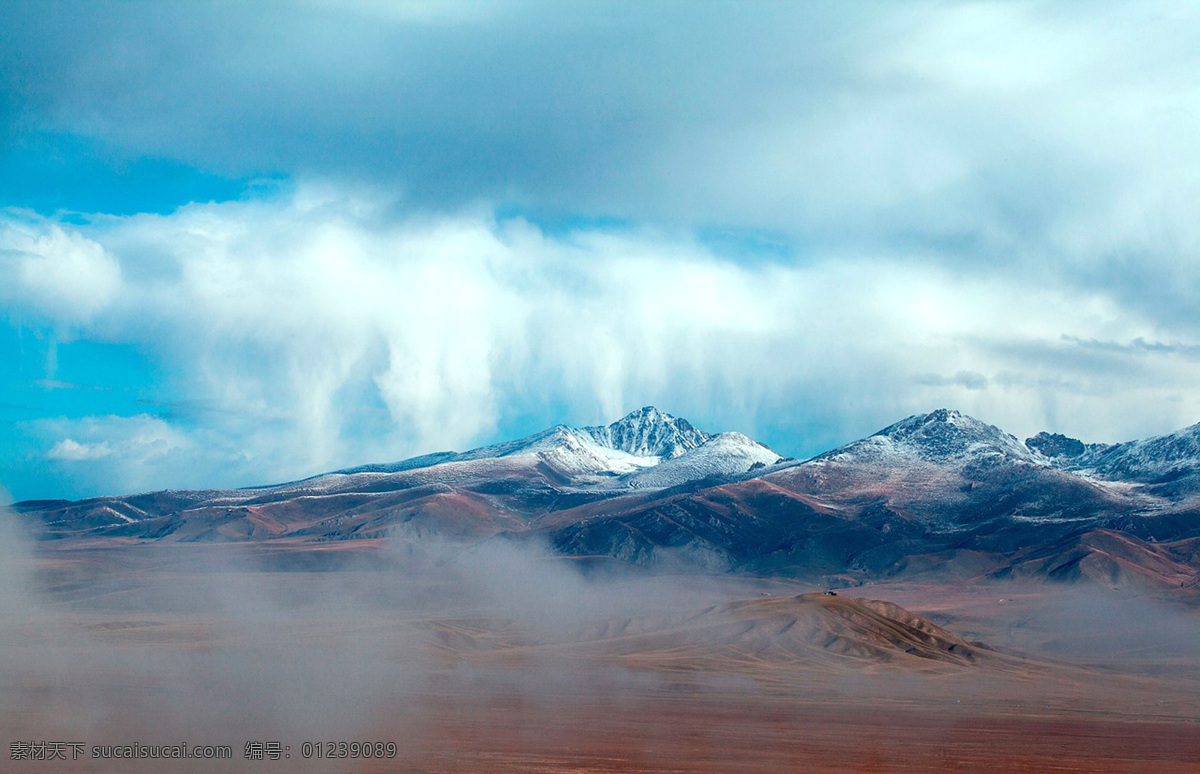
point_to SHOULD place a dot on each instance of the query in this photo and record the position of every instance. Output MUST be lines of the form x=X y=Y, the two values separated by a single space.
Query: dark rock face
x=1056 y=445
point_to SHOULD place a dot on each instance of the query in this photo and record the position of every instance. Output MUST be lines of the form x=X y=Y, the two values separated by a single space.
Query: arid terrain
x=494 y=660
x=641 y=596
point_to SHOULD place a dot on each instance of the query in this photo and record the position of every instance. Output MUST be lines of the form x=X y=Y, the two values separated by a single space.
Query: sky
x=243 y=243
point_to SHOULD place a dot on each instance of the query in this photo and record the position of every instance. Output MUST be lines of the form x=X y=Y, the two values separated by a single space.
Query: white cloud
x=70 y=450
x=131 y=453
x=316 y=335
x=48 y=271
x=1014 y=138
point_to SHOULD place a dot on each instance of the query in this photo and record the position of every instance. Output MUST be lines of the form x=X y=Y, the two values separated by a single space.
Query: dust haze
x=222 y=644
x=500 y=656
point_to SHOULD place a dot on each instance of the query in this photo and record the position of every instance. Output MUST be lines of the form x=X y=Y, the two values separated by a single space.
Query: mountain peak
x=949 y=433
x=646 y=413
x=649 y=432
x=932 y=423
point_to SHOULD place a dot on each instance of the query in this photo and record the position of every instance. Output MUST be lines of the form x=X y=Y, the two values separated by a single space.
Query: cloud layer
x=995 y=126
x=317 y=329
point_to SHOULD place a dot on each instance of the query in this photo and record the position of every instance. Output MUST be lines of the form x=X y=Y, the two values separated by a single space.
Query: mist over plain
x=224 y=643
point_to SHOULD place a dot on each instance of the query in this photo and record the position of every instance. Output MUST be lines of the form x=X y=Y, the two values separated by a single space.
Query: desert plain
x=500 y=659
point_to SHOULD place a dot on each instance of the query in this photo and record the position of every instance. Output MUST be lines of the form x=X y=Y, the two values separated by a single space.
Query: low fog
x=222 y=644
x=408 y=639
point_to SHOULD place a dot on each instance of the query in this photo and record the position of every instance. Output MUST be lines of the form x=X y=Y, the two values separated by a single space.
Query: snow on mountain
x=950 y=472
x=568 y=450
x=938 y=490
x=538 y=442
x=1151 y=460
x=640 y=440
x=574 y=452
x=423 y=461
x=943 y=435
x=721 y=454
x=587 y=457
x=649 y=432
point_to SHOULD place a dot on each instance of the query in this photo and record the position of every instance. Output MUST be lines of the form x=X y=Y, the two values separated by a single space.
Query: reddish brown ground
x=722 y=733
x=122 y=646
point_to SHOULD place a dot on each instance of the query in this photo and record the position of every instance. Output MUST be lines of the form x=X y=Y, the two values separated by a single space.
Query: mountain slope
x=1161 y=460
x=1165 y=467
x=937 y=494
x=502 y=486
x=950 y=471
x=724 y=454
x=804 y=631
x=809 y=629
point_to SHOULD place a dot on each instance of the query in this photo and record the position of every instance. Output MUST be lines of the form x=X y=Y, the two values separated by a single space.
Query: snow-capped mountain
x=568 y=450
x=624 y=452
x=942 y=467
x=649 y=432
x=943 y=435
x=641 y=439
x=588 y=456
x=939 y=493
x=1159 y=460
x=934 y=493
x=539 y=473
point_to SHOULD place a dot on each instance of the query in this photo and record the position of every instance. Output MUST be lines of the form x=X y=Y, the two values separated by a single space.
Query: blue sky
x=246 y=244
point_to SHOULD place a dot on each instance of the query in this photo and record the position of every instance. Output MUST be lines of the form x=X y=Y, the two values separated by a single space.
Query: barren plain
x=493 y=660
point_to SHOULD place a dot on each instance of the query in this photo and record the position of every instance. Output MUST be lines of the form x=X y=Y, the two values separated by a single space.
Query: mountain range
x=939 y=495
